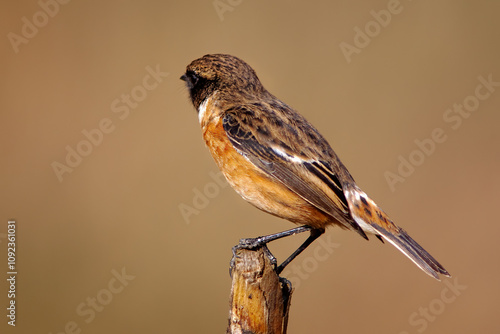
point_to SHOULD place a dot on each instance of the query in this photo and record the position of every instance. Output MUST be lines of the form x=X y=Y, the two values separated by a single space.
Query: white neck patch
x=202 y=109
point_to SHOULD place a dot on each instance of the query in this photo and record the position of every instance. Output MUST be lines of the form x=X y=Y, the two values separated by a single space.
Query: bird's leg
x=263 y=240
x=250 y=243
x=315 y=233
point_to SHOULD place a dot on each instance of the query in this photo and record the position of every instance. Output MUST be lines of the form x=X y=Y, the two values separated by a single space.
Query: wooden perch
x=260 y=299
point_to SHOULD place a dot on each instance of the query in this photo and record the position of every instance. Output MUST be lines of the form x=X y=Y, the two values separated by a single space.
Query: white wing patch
x=289 y=157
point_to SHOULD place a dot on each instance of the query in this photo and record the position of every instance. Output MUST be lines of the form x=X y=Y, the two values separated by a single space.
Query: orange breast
x=254 y=185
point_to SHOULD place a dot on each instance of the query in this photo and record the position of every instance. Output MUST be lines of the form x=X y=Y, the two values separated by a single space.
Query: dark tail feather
x=414 y=252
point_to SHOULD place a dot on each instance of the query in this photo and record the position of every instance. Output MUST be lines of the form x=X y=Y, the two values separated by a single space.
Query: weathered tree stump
x=260 y=299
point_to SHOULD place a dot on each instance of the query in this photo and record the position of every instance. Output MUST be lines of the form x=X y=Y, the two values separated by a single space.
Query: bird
x=279 y=162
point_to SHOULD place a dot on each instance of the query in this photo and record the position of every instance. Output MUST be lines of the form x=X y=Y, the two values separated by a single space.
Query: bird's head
x=223 y=73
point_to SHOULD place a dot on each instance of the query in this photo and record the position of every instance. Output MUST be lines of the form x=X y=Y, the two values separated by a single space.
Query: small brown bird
x=277 y=161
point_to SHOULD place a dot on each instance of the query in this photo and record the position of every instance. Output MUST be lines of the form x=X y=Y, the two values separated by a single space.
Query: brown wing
x=278 y=156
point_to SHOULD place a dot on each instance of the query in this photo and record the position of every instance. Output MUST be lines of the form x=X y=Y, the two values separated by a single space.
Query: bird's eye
x=193 y=78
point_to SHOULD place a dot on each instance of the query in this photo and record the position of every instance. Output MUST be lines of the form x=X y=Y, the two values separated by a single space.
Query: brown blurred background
x=131 y=208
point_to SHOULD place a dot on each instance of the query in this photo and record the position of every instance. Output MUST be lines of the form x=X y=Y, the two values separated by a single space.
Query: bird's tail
x=373 y=220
